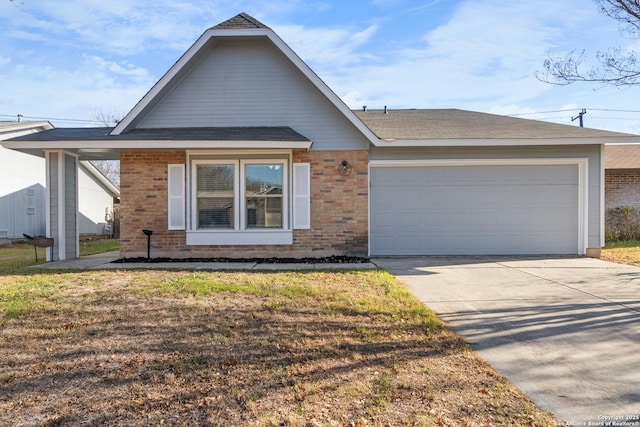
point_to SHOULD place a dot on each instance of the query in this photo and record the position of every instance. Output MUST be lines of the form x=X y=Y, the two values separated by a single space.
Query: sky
x=73 y=61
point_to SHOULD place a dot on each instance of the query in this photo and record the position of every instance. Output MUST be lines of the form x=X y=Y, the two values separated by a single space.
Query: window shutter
x=301 y=196
x=176 y=197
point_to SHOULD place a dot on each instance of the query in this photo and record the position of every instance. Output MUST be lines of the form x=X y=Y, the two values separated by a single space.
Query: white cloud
x=331 y=47
x=137 y=74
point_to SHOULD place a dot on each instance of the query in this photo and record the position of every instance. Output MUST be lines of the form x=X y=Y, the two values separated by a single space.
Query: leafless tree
x=615 y=66
x=109 y=168
x=106 y=119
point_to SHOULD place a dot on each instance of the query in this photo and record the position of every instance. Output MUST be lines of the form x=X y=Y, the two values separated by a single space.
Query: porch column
x=62 y=205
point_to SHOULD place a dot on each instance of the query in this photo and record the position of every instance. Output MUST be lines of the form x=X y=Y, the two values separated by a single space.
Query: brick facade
x=339 y=209
x=622 y=188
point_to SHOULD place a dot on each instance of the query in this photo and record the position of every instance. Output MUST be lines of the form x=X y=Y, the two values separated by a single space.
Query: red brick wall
x=143 y=202
x=622 y=187
x=339 y=209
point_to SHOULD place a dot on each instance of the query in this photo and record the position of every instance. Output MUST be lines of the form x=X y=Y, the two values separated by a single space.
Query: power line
x=615 y=111
x=574 y=109
x=51 y=119
x=542 y=112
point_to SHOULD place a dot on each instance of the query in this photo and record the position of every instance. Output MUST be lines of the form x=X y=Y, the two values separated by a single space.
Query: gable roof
x=626 y=156
x=440 y=127
x=241 y=25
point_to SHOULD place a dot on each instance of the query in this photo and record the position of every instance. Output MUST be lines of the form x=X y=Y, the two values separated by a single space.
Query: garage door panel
x=466 y=210
x=383 y=220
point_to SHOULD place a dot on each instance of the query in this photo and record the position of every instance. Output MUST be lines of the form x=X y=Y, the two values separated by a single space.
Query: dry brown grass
x=622 y=252
x=255 y=349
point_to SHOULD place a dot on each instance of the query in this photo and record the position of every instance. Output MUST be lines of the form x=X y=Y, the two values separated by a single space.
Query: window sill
x=234 y=237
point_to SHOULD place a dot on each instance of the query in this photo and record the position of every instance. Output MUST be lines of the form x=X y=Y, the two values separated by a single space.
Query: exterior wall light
x=344 y=168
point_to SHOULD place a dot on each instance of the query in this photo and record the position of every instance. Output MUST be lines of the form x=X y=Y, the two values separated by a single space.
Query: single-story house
x=241 y=150
x=22 y=189
x=622 y=175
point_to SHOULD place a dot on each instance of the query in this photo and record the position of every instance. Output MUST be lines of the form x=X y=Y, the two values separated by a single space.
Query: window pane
x=215 y=194
x=264 y=212
x=215 y=212
x=263 y=179
x=215 y=178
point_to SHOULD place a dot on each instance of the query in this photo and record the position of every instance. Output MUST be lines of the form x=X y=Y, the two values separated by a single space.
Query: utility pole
x=579 y=116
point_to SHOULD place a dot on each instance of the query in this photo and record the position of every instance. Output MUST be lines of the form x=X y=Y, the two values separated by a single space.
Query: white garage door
x=474 y=210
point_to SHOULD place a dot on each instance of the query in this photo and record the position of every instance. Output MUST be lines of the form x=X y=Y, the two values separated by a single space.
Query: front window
x=239 y=195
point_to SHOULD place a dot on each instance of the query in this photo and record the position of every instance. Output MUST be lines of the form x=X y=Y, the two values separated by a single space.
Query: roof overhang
x=110 y=150
x=496 y=142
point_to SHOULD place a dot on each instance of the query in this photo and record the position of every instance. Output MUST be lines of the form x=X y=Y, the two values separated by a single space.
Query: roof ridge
x=240 y=21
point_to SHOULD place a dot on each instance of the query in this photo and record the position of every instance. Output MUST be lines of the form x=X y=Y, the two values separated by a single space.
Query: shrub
x=622 y=223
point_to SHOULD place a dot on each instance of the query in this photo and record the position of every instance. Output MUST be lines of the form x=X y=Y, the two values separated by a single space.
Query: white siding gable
x=251 y=83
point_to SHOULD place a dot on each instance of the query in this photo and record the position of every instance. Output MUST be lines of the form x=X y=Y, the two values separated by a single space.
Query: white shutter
x=301 y=196
x=176 y=197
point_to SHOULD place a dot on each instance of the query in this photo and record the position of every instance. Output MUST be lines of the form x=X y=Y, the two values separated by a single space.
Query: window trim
x=239 y=235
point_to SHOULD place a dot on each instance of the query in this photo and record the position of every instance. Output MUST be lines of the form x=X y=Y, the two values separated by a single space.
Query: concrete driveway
x=566 y=331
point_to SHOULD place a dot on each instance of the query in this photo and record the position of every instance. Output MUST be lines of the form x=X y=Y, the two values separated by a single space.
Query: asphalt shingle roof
x=259 y=133
x=240 y=21
x=461 y=124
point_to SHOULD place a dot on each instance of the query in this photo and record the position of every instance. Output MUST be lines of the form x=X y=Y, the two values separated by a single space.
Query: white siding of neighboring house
x=251 y=83
x=93 y=201
x=22 y=184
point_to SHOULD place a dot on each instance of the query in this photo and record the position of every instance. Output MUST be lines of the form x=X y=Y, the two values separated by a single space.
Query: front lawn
x=348 y=348
x=622 y=252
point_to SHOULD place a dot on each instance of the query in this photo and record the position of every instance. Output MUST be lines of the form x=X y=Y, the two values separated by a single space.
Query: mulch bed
x=324 y=260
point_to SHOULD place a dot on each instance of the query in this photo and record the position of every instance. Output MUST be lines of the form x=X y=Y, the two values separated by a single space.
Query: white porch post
x=62 y=205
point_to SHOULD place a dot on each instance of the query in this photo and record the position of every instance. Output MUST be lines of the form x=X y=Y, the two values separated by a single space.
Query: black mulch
x=324 y=260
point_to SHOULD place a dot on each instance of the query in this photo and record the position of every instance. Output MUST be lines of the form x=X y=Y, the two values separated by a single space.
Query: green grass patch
x=622 y=244
x=21 y=297
x=16 y=257
x=206 y=284
x=98 y=246
x=359 y=293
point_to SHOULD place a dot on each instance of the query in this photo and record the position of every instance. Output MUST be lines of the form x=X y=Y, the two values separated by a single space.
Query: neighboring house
x=96 y=198
x=22 y=184
x=622 y=176
x=240 y=150
x=22 y=189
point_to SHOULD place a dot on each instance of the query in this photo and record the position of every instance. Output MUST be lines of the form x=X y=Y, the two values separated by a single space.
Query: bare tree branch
x=615 y=66
x=627 y=12
x=109 y=168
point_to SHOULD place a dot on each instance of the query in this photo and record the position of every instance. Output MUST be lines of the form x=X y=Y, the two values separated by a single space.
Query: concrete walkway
x=105 y=262
x=566 y=331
